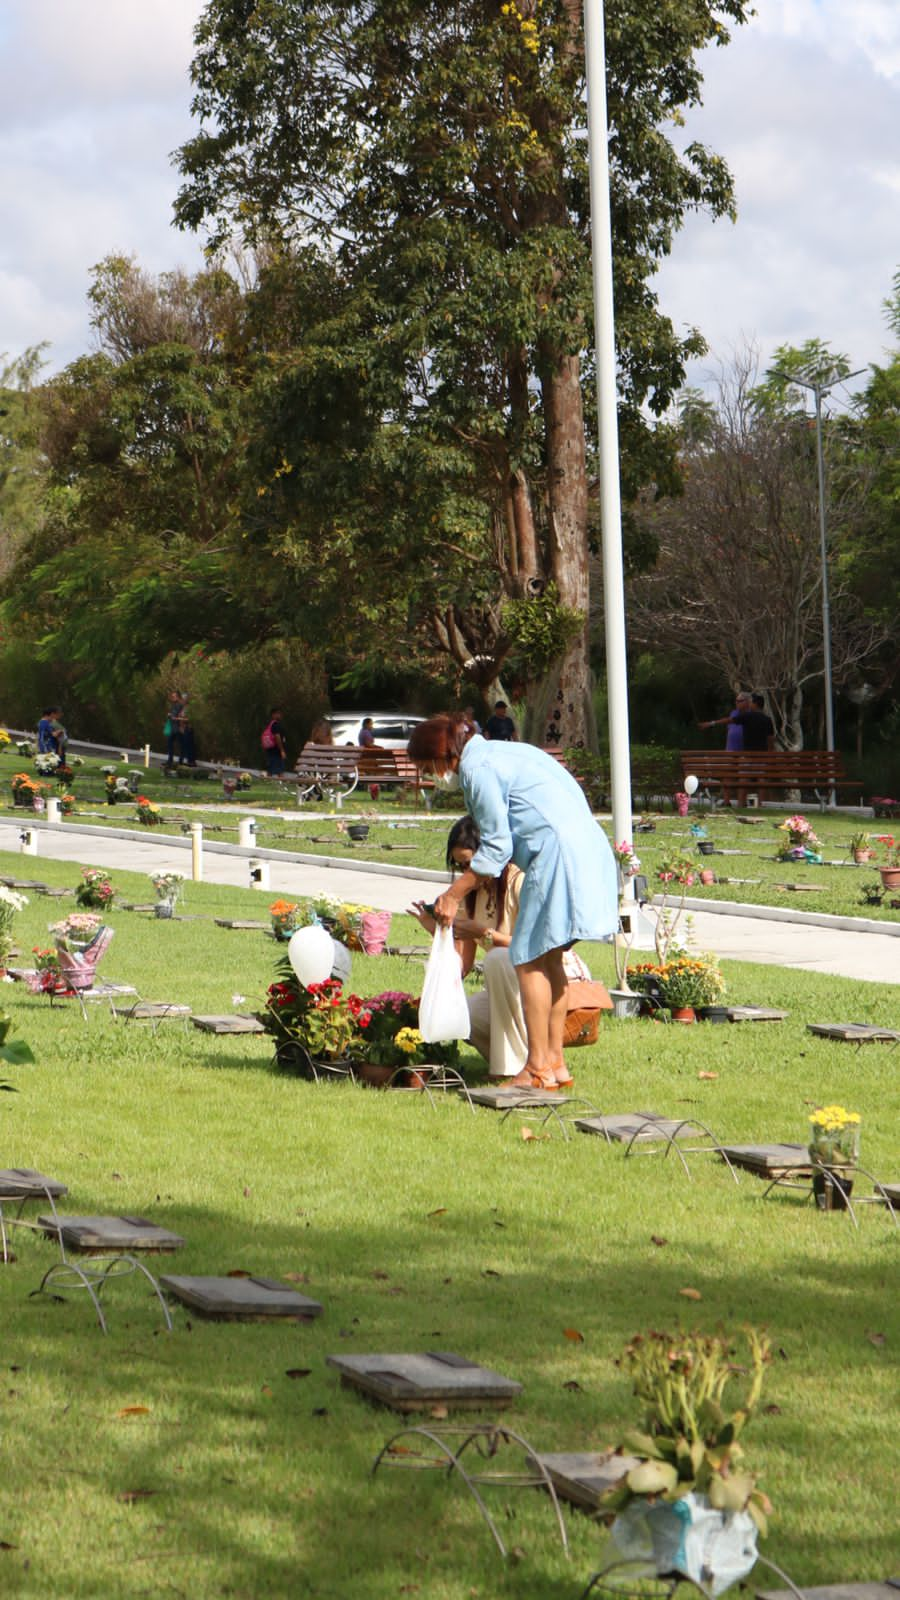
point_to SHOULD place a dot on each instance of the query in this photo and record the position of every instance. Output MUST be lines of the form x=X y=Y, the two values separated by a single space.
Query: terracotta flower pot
x=707 y=876
x=684 y=1014
x=890 y=877
x=375 y=1077
x=862 y=856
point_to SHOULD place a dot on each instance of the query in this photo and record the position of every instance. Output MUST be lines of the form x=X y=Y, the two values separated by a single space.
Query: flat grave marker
x=413 y=1382
x=583 y=1476
x=854 y=1032
x=755 y=1014
x=769 y=1160
x=246 y=923
x=230 y=1024
x=24 y=1183
x=514 y=1099
x=152 y=1011
x=237 y=1299
x=639 y=1126
x=103 y=1234
x=836 y=1591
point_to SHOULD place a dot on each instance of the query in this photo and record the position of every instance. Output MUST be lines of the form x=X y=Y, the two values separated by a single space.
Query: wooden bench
x=390 y=767
x=326 y=766
x=768 y=773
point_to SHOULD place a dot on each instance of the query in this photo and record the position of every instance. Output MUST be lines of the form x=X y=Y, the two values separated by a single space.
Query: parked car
x=392 y=729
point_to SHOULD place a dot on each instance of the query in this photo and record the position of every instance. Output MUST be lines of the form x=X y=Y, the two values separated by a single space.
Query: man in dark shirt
x=759 y=730
x=500 y=725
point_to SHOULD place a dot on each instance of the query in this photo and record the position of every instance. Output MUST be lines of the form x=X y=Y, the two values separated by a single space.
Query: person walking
x=531 y=811
x=273 y=743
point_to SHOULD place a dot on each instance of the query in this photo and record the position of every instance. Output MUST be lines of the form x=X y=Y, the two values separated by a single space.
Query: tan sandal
x=529 y=1079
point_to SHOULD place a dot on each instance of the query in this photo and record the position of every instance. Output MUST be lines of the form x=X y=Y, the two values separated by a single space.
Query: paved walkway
x=845 y=953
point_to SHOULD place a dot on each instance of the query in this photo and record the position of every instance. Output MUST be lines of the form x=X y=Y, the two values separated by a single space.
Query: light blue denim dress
x=530 y=810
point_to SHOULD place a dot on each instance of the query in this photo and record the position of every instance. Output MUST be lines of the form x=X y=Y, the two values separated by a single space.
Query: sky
x=803 y=104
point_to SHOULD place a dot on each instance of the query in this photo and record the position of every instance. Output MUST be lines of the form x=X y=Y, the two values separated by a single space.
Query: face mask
x=448 y=780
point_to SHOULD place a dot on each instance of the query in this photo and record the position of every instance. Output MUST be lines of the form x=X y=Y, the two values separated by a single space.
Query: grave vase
x=831 y=1195
x=683 y=1014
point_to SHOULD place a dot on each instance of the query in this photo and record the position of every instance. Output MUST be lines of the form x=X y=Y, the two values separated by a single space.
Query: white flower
x=16 y=902
x=238 y=999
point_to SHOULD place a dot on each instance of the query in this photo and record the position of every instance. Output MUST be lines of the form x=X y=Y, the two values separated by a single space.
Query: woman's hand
x=421 y=914
x=445 y=908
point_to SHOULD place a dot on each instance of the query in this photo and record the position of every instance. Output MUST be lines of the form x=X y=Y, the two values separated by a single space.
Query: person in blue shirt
x=531 y=811
x=51 y=735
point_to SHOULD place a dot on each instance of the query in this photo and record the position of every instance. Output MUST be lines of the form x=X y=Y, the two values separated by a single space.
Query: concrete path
x=743 y=937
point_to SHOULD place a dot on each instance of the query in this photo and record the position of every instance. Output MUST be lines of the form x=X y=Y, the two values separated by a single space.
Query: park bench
x=768 y=773
x=391 y=766
x=325 y=767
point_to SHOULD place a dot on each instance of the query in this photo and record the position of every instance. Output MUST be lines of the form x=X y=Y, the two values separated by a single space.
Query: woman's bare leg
x=542 y=984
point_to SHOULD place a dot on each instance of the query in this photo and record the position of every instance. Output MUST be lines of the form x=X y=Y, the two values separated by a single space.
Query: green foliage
x=540 y=628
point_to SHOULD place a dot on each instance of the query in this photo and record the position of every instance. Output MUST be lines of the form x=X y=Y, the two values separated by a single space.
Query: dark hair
x=500 y=705
x=466 y=835
x=758 y=700
x=440 y=737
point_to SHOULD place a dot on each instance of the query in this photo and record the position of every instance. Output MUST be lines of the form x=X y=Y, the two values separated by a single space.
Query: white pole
x=53 y=812
x=146 y=757
x=247 y=832
x=608 y=424
x=197 y=851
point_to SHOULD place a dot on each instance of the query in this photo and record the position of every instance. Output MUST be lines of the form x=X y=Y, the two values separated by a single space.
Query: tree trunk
x=567 y=715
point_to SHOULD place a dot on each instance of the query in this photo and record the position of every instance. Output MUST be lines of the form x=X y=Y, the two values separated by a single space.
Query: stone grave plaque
x=514 y=1099
x=889 y=1195
x=755 y=1014
x=801 y=888
x=243 y=922
x=837 y=1591
x=131 y=905
x=583 y=1476
x=236 y=1298
x=769 y=1160
x=414 y=1382
x=856 y=1032
x=642 y=1126
x=53 y=894
x=152 y=1011
x=230 y=1024
x=111 y=1233
x=23 y=1183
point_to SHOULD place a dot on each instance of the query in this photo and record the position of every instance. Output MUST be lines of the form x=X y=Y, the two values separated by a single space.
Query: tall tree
x=439 y=152
x=737 y=583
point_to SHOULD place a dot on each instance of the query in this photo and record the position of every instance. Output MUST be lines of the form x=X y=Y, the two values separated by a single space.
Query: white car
x=391 y=729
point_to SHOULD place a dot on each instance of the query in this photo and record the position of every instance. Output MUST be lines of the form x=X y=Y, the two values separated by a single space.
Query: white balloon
x=691 y=785
x=311 y=954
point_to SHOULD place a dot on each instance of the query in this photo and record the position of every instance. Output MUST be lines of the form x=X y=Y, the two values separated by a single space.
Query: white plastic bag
x=713 y=1548
x=443 y=1013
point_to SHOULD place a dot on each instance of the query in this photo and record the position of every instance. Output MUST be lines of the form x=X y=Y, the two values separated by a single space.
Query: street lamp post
x=817 y=390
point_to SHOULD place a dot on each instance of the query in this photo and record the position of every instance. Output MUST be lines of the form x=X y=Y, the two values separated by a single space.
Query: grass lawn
x=417 y=1229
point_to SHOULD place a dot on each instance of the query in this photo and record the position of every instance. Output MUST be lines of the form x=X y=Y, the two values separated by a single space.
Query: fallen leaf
x=708 y=1075
x=771 y=1411
x=657 y=1238
x=118 y=1177
x=573 y=1386
x=439 y=1412
x=441 y=1211
x=237 y=1272
x=247 y=1194
x=782 y=1352
x=383 y=1275
x=134 y=1411
x=5 y=1545
x=300 y=1277
x=690 y=1294
x=266 y=1390
x=877 y=1339
x=527 y=1134
x=298 y=1372
x=498 y=1223
x=398 y=1450
x=489 y=1272
x=130 y=1495
x=574 y=1335
x=321 y=1411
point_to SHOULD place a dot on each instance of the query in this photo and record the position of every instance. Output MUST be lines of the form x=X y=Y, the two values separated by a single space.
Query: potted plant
x=76 y=931
x=67 y=804
x=10 y=903
x=861 y=848
x=686 y=982
x=25 y=790
x=834 y=1152
x=168 y=886
x=676 y=866
x=312 y=1025
x=286 y=918
x=95 y=890
x=148 y=813
x=392 y=1040
x=686 y=1502
x=47 y=974
x=890 y=867
x=46 y=763
x=801 y=843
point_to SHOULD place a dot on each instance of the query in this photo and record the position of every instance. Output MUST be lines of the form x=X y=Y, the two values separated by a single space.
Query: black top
x=758 y=729
x=500 y=727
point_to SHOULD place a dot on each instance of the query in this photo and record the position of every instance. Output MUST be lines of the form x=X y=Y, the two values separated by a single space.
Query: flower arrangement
x=77 y=930
x=25 y=789
x=46 y=763
x=10 y=903
x=802 y=841
x=320 y=1019
x=243 y=781
x=284 y=914
x=677 y=866
x=117 y=789
x=393 y=1038
x=25 y=747
x=682 y=980
x=95 y=888
x=64 y=774
x=861 y=845
x=47 y=967
x=148 y=813
x=627 y=860
x=167 y=884
x=4 y=737
x=834 y=1140
x=67 y=804
x=689 y=1440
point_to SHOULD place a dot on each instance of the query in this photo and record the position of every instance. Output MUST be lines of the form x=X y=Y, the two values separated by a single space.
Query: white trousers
x=498 y=1022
